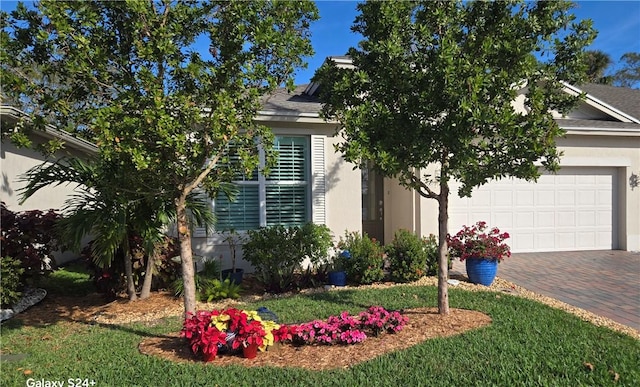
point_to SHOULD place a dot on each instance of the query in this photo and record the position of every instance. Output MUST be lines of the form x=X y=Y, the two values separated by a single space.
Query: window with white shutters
x=282 y=197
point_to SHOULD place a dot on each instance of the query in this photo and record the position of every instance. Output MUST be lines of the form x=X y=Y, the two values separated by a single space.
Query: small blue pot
x=481 y=271
x=338 y=278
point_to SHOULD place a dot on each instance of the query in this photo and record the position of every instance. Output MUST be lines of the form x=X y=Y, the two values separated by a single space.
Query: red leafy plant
x=476 y=242
x=203 y=337
x=210 y=331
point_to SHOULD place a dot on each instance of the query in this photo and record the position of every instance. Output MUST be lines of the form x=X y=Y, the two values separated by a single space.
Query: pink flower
x=474 y=242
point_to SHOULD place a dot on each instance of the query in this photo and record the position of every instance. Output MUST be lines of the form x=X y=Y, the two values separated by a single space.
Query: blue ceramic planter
x=338 y=278
x=481 y=271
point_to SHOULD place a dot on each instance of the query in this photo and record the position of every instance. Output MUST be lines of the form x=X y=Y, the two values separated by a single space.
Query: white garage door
x=573 y=210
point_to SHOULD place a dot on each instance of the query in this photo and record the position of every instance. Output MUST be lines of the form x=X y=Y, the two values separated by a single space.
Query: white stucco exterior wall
x=15 y=162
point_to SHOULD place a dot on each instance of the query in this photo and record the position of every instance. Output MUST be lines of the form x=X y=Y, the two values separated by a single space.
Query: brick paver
x=606 y=283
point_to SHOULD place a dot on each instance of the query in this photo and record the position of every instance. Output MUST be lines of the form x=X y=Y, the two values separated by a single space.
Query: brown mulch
x=424 y=324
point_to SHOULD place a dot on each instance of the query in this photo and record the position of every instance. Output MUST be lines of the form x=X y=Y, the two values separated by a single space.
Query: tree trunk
x=148 y=275
x=184 y=235
x=443 y=264
x=128 y=270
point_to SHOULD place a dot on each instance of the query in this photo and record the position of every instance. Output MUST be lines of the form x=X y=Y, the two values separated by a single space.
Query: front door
x=372 y=203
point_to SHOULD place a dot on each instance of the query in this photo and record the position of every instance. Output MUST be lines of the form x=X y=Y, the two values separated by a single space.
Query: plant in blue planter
x=482 y=249
x=337 y=276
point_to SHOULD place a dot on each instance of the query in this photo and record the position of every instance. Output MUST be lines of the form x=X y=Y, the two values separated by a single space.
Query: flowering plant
x=208 y=332
x=378 y=319
x=344 y=328
x=202 y=336
x=476 y=243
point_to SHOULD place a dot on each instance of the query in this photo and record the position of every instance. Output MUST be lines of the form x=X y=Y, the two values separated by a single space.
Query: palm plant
x=106 y=207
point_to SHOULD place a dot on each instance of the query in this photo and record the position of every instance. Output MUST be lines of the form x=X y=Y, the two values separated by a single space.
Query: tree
x=597 y=63
x=629 y=74
x=104 y=208
x=135 y=83
x=435 y=82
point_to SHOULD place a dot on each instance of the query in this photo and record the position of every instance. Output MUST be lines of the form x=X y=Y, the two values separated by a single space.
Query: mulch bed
x=424 y=324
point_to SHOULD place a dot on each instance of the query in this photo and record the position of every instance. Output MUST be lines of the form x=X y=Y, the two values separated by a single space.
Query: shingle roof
x=570 y=123
x=622 y=98
x=295 y=102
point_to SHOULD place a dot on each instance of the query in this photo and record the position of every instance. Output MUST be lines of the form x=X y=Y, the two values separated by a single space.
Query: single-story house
x=16 y=161
x=593 y=203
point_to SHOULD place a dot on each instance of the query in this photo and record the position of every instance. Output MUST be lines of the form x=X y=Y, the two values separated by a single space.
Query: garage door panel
x=505 y=218
x=545 y=219
x=503 y=198
x=569 y=211
x=565 y=197
x=586 y=218
x=545 y=197
x=524 y=198
x=565 y=240
x=586 y=198
x=605 y=198
x=565 y=219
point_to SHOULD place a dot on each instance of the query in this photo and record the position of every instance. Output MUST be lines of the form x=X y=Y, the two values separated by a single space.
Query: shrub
x=214 y=289
x=208 y=285
x=111 y=280
x=28 y=237
x=365 y=258
x=411 y=257
x=11 y=290
x=277 y=252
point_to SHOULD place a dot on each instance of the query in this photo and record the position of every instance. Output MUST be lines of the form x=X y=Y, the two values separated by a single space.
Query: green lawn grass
x=72 y=279
x=528 y=343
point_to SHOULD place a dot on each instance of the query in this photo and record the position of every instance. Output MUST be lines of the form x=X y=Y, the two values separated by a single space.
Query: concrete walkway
x=606 y=283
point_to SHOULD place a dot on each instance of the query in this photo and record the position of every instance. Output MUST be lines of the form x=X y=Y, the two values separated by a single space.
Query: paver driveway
x=606 y=283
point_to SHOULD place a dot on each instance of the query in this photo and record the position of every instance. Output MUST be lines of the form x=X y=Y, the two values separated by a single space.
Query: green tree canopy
x=597 y=63
x=435 y=83
x=129 y=76
x=629 y=73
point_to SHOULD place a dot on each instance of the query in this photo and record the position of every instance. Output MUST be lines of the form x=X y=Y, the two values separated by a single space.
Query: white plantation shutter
x=282 y=197
x=318 y=187
x=287 y=183
x=243 y=213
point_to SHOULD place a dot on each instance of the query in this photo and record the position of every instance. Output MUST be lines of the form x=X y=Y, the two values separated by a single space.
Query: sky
x=618 y=23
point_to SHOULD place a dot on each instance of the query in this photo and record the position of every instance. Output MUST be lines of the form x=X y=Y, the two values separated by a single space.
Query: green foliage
x=365 y=259
x=111 y=279
x=629 y=73
x=208 y=285
x=434 y=83
x=166 y=118
x=597 y=63
x=411 y=257
x=214 y=289
x=277 y=252
x=211 y=268
x=10 y=276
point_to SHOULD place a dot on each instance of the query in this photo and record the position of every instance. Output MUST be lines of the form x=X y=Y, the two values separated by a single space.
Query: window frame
x=263 y=182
